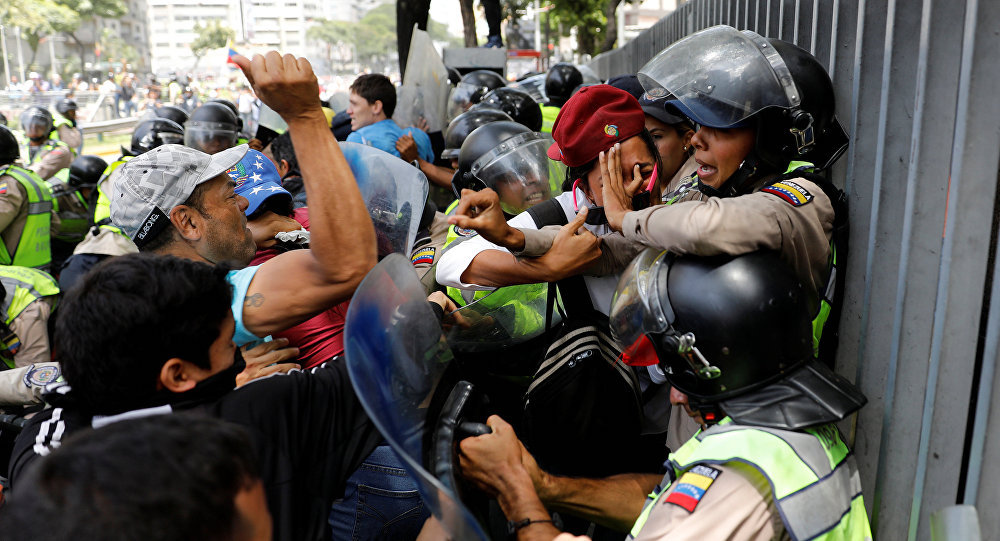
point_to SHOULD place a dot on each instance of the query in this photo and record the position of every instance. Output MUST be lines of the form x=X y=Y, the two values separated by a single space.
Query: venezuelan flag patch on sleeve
x=793 y=193
x=691 y=487
x=423 y=256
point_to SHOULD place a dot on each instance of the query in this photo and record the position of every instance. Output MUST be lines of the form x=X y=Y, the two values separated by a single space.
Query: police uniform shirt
x=457 y=259
x=684 y=173
x=737 y=505
x=23 y=386
x=308 y=430
x=49 y=162
x=13 y=211
x=793 y=217
x=32 y=328
x=427 y=249
x=71 y=136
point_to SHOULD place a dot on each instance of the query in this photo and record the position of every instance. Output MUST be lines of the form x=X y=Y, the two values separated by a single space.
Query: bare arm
x=440 y=176
x=296 y=285
x=615 y=501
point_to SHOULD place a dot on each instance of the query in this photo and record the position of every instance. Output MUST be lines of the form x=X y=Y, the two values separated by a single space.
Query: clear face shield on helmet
x=210 y=137
x=521 y=173
x=641 y=308
x=462 y=97
x=721 y=75
x=36 y=126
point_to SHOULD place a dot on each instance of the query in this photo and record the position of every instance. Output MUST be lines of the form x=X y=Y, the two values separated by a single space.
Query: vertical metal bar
x=815 y=22
x=834 y=27
x=756 y=18
x=795 y=26
x=781 y=19
x=890 y=385
x=767 y=20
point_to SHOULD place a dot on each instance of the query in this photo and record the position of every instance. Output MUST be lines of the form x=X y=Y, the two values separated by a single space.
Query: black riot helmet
x=9 y=150
x=562 y=79
x=511 y=159
x=172 y=112
x=36 y=122
x=85 y=171
x=516 y=103
x=734 y=334
x=65 y=105
x=212 y=128
x=462 y=125
x=152 y=133
x=232 y=107
x=3 y=119
x=471 y=89
x=778 y=89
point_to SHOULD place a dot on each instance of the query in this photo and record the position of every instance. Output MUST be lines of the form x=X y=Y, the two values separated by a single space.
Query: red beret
x=593 y=120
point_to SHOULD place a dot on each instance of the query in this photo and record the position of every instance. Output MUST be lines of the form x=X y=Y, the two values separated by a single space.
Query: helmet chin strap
x=737 y=182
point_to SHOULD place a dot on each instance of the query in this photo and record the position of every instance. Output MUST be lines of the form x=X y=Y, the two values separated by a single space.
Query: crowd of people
x=634 y=282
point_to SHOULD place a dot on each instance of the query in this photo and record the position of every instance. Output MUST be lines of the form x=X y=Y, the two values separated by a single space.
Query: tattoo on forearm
x=255 y=300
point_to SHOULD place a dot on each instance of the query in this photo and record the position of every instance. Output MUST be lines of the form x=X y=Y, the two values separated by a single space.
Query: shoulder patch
x=462 y=232
x=793 y=193
x=3 y=186
x=691 y=487
x=423 y=256
x=40 y=376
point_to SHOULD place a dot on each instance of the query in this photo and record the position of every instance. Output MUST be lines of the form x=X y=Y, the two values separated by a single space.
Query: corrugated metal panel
x=917 y=84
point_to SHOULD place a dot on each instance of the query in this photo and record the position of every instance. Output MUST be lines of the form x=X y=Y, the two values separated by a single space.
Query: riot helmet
x=9 y=150
x=36 y=122
x=471 y=89
x=85 y=171
x=510 y=159
x=212 y=128
x=462 y=125
x=172 y=112
x=65 y=105
x=562 y=79
x=516 y=103
x=734 y=334
x=152 y=133
x=3 y=119
x=232 y=107
x=724 y=78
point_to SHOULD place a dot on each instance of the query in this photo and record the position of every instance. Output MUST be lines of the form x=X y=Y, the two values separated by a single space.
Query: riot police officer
x=562 y=79
x=212 y=128
x=516 y=103
x=66 y=129
x=25 y=210
x=733 y=337
x=47 y=157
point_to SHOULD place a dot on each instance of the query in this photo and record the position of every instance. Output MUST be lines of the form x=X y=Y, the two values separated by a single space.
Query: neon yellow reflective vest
x=813 y=476
x=59 y=120
x=101 y=216
x=525 y=300
x=549 y=114
x=23 y=287
x=63 y=174
x=33 y=248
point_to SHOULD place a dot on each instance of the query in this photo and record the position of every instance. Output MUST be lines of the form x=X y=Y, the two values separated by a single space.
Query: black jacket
x=309 y=432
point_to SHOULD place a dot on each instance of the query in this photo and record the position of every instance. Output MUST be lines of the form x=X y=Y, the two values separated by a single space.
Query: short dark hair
x=376 y=87
x=282 y=149
x=168 y=235
x=130 y=315
x=162 y=478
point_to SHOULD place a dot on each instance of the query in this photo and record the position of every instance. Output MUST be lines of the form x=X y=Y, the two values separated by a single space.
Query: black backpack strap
x=574 y=292
x=548 y=213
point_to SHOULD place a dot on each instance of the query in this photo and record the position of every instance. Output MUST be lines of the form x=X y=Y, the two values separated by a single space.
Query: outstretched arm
x=296 y=285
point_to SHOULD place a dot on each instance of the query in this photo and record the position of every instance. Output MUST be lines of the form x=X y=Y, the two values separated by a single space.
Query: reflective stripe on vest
x=813 y=476
x=23 y=286
x=33 y=248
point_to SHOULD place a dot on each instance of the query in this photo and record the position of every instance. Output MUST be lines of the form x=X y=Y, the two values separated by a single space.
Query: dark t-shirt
x=308 y=429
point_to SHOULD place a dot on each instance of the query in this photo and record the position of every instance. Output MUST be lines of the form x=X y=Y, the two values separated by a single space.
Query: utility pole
x=3 y=45
x=20 y=56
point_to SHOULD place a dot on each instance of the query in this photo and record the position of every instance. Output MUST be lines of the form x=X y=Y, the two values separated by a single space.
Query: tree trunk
x=611 y=32
x=79 y=47
x=468 y=23
x=408 y=13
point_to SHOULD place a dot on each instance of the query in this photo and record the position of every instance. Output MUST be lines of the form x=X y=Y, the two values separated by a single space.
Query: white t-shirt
x=456 y=259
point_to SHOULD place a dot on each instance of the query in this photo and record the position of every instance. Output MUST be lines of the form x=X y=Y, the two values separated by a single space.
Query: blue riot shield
x=396 y=357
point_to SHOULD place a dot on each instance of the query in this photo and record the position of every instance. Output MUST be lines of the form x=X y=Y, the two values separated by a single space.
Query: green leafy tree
x=114 y=48
x=339 y=37
x=87 y=11
x=213 y=35
x=55 y=19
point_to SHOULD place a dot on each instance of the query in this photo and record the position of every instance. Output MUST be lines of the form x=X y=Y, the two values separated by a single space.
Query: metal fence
x=917 y=84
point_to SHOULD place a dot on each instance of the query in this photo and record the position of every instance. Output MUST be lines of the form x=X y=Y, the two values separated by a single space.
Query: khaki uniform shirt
x=51 y=162
x=737 y=506
x=14 y=212
x=70 y=135
x=426 y=250
x=32 y=327
x=24 y=385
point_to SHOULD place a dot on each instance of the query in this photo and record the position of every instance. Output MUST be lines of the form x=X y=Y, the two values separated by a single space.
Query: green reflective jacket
x=33 y=249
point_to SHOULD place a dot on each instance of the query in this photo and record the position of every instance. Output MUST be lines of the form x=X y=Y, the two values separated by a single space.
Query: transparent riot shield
x=396 y=357
x=425 y=71
x=394 y=192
